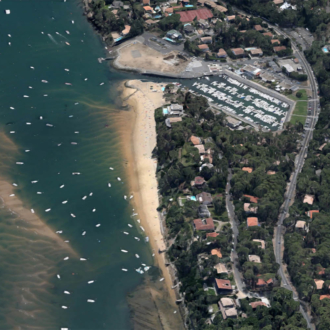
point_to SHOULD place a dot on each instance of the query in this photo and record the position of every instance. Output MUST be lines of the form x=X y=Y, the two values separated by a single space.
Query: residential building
x=275 y=41
x=252 y=222
x=189 y=16
x=214 y=234
x=174 y=35
x=221 y=53
x=204 y=224
x=271 y=172
x=220 y=268
x=311 y=213
x=175 y=110
x=252 y=198
x=256 y=52
x=309 y=199
x=262 y=243
x=278 y=49
x=231 y=18
x=126 y=31
x=216 y=252
x=319 y=284
x=204 y=198
x=301 y=225
x=278 y=2
x=201 y=148
x=205 y=164
x=258 y=28
x=325 y=296
x=148 y=9
x=250 y=209
x=150 y=22
x=289 y=69
x=206 y=40
x=204 y=48
x=188 y=28
x=199 y=182
x=251 y=70
x=268 y=34
x=254 y=258
x=117 y=4
x=195 y=140
x=170 y=121
x=247 y=169
x=238 y=52
x=256 y=304
x=231 y=313
x=203 y=211
x=146 y=2
x=223 y=286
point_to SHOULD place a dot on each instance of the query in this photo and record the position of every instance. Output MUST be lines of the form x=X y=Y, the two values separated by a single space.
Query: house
x=311 y=213
x=301 y=225
x=203 y=23
x=227 y=302
x=204 y=48
x=169 y=10
x=261 y=241
x=207 y=155
x=238 y=52
x=251 y=70
x=150 y=22
x=261 y=283
x=148 y=9
x=255 y=304
x=221 y=53
x=169 y=121
x=188 y=28
x=221 y=268
x=252 y=198
x=205 y=165
x=289 y=69
x=267 y=77
x=201 y=148
x=254 y=258
x=319 y=284
x=252 y=221
x=117 y=4
x=278 y=2
x=258 y=28
x=275 y=41
x=279 y=49
x=271 y=172
x=189 y=16
x=146 y=2
x=199 y=182
x=213 y=5
x=223 y=286
x=232 y=122
x=247 y=169
x=227 y=308
x=231 y=313
x=256 y=52
x=231 y=18
x=203 y=211
x=174 y=34
x=268 y=34
x=309 y=199
x=216 y=252
x=325 y=296
x=175 y=109
x=204 y=224
x=206 y=40
x=250 y=209
x=195 y=140
x=204 y=198
x=126 y=31
x=212 y=234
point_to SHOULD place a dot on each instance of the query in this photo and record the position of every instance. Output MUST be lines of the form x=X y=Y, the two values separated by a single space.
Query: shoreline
x=138 y=135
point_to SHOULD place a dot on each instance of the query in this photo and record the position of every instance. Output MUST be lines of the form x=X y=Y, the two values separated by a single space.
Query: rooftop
x=212 y=234
x=247 y=169
x=301 y=224
x=269 y=34
x=237 y=51
x=279 y=48
x=249 y=208
x=216 y=252
x=195 y=140
x=258 y=27
x=274 y=41
x=309 y=199
x=204 y=224
x=204 y=197
x=188 y=16
x=200 y=148
x=223 y=284
x=257 y=51
x=254 y=258
x=325 y=296
x=252 y=221
x=257 y=303
x=261 y=241
x=221 y=268
x=252 y=198
x=203 y=46
x=319 y=284
x=199 y=180
x=311 y=212
x=227 y=302
x=222 y=52
x=231 y=312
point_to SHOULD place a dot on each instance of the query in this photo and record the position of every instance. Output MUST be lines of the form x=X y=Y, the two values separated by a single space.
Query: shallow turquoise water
x=30 y=293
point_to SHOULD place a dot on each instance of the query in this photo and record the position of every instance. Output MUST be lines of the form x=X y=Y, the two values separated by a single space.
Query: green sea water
x=31 y=295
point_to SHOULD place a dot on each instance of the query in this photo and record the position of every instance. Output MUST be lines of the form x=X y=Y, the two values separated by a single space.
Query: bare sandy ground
x=137 y=128
x=137 y=56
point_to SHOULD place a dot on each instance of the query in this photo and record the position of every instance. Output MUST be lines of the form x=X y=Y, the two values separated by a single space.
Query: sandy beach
x=137 y=128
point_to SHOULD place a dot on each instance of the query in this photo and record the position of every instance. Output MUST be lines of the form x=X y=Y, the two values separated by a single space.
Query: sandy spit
x=138 y=135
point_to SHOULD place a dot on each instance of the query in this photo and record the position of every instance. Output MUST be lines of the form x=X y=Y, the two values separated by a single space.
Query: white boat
x=124 y=269
x=15 y=184
x=126 y=233
x=90 y=194
x=73 y=216
x=86 y=79
x=93 y=210
x=12 y=108
x=59 y=232
x=9 y=35
x=66 y=292
x=62 y=186
x=7 y=11
x=119 y=179
x=124 y=251
x=12 y=132
x=74 y=143
x=47 y=210
x=142 y=228
x=83 y=259
x=75 y=173
x=49 y=125
x=111 y=168
x=84 y=233
x=32 y=210
x=67 y=32
x=39 y=193
x=44 y=81
x=84 y=198
x=9 y=43
x=41 y=117
x=137 y=238
x=129 y=225
x=28 y=123
x=90 y=282
x=64 y=202
x=162 y=279
x=67 y=43
x=68 y=84
x=146 y=268
x=102 y=83
x=11 y=195
x=137 y=256
x=56 y=32
x=64 y=307
x=32 y=67
x=35 y=181
x=58 y=276
x=66 y=69
x=90 y=300
x=125 y=197
x=30 y=87
x=66 y=258
x=130 y=197
x=98 y=225
x=109 y=185
x=26 y=96
x=72 y=22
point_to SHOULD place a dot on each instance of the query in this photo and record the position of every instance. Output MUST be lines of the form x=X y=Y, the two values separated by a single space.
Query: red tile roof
x=212 y=234
x=223 y=284
x=256 y=304
x=311 y=212
x=269 y=34
x=325 y=296
x=279 y=48
x=199 y=180
x=205 y=224
x=252 y=198
x=252 y=221
x=260 y=282
x=188 y=16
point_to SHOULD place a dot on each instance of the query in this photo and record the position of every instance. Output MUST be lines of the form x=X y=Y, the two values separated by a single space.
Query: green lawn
x=302 y=98
x=210 y=292
x=295 y=119
x=301 y=108
x=215 y=308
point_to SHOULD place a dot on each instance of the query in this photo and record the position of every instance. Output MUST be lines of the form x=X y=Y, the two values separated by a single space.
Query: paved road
x=299 y=164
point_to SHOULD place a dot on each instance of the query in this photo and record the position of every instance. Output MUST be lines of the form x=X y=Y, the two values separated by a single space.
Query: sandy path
x=137 y=128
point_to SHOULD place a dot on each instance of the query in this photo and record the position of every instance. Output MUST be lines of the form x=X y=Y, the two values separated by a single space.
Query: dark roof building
x=204 y=224
x=204 y=198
